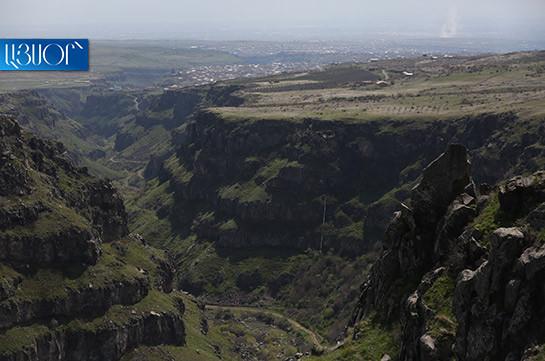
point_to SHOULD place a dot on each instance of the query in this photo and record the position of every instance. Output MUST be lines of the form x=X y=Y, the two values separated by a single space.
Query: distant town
x=202 y=75
x=259 y=59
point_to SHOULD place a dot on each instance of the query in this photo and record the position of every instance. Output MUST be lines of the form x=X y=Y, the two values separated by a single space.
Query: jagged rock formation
x=66 y=294
x=499 y=305
x=410 y=239
x=40 y=187
x=460 y=285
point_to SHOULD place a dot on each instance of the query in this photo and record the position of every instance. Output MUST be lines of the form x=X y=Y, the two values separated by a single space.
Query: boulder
x=428 y=350
x=533 y=261
x=506 y=246
x=520 y=194
x=9 y=127
x=107 y=210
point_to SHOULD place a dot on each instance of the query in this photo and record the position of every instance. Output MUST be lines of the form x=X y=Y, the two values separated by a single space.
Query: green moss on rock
x=439 y=298
x=248 y=192
x=373 y=341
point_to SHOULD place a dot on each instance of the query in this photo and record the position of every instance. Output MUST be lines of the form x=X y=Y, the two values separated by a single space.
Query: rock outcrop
x=520 y=194
x=73 y=284
x=499 y=305
x=410 y=240
x=57 y=247
x=52 y=212
x=107 y=210
x=458 y=287
x=105 y=340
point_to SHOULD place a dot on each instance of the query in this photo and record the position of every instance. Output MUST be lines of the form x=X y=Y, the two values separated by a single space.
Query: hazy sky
x=250 y=19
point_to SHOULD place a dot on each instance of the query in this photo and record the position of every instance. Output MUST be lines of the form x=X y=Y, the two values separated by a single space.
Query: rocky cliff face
x=460 y=268
x=270 y=183
x=40 y=187
x=73 y=284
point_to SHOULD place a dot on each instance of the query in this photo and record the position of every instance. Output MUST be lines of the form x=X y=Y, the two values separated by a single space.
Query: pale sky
x=250 y=19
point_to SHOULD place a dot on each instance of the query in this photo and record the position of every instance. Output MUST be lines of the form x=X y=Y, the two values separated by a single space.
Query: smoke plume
x=450 y=27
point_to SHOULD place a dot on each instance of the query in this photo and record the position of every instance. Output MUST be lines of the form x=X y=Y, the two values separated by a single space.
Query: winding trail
x=114 y=160
x=316 y=340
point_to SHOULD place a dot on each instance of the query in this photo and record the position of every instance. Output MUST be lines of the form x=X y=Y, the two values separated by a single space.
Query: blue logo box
x=44 y=54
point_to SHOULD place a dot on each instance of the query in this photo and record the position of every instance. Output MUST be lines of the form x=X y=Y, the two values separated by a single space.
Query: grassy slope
x=440 y=88
x=120 y=261
x=375 y=342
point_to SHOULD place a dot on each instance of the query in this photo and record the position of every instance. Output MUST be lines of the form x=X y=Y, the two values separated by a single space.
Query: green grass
x=439 y=298
x=155 y=195
x=198 y=347
x=272 y=168
x=142 y=209
x=155 y=141
x=146 y=222
x=269 y=335
x=487 y=221
x=18 y=338
x=204 y=262
x=352 y=231
x=437 y=93
x=541 y=235
x=119 y=315
x=120 y=262
x=265 y=340
x=304 y=284
x=136 y=254
x=178 y=171
x=57 y=193
x=348 y=116
x=100 y=170
x=490 y=219
x=52 y=222
x=50 y=284
x=230 y=225
x=7 y=273
x=254 y=189
x=206 y=217
x=375 y=341
x=248 y=192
